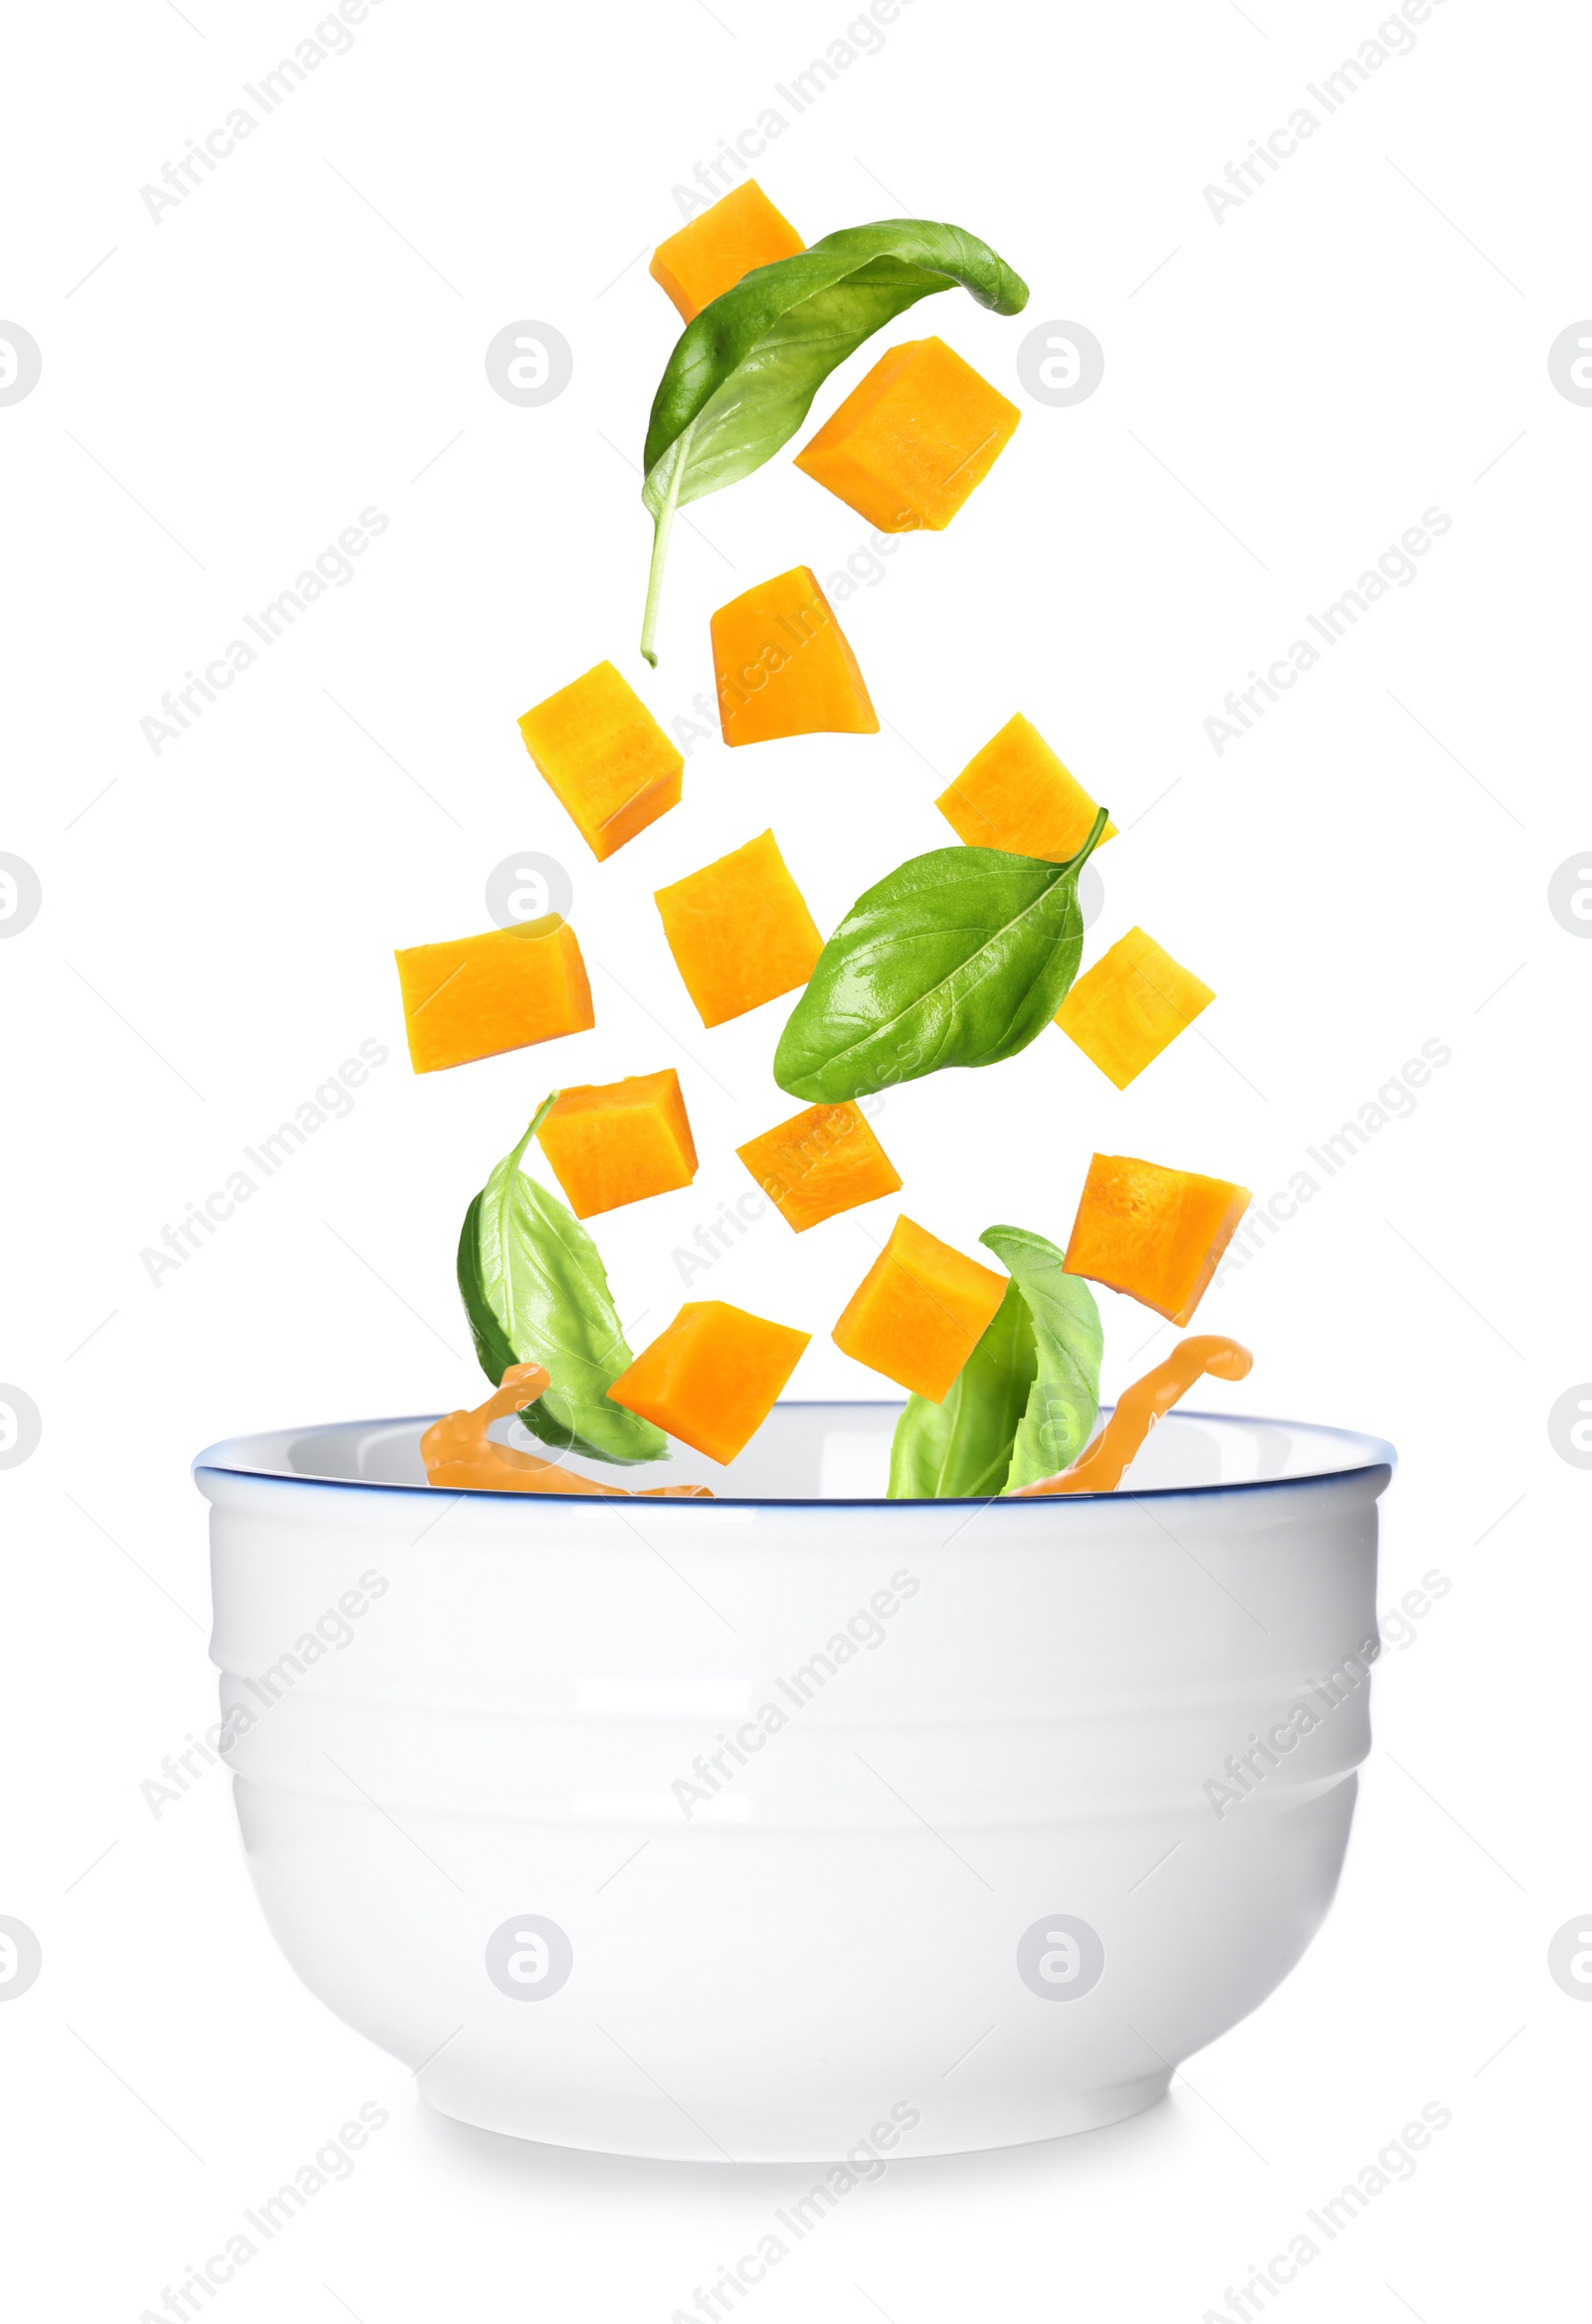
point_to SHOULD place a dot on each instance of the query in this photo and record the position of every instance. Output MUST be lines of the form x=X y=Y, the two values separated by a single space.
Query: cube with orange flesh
x=910 y=442
x=710 y=255
x=919 y=1311
x=1015 y=794
x=480 y=995
x=820 y=1161
x=740 y=930
x=1155 y=1233
x=1130 y=1005
x=615 y=1142
x=605 y=757
x=782 y=665
x=711 y=1378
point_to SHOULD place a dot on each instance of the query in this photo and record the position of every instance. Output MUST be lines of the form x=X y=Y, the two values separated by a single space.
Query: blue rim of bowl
x=204 y=1465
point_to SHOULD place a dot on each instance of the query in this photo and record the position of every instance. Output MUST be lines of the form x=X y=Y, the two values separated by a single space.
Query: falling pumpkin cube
x=609 y=1143
x=821 y=1162
x=1156 y=1234
x=481 y=995
x=919 y=1311
x=1016 y=795
x=711 y=1378
x=710 y=255
x=740 y=930
x=604 y=756
x=912 y=439
x=1130 y=1005
x=782 y=665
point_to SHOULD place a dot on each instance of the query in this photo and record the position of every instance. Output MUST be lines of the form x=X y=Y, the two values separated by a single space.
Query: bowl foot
x=1027 y=2122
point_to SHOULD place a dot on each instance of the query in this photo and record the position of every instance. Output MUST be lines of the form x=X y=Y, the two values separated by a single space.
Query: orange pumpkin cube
x=1131 y=1005
x=782 y=665
x=710 y=255
x=740 y=930
x=1155 y=1233
x=1015 y=794
x=481 y=995
x=604 y=756
x=910 y=442
x=711 y=1378
x=820 y=1161
x=919 y=1312
x=609 y=1143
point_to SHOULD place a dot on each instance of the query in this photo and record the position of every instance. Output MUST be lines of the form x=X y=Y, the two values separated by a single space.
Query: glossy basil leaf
x=959 y=957
x=962 y=1449
x=1068 y=1344
x=1025 y=1403
x=744 y=373
x=535 y=1291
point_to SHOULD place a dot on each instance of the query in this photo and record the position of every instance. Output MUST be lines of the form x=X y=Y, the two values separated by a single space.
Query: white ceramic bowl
x=979 y=1858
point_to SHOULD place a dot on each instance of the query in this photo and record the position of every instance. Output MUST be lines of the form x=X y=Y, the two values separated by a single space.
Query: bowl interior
x=820 y=1453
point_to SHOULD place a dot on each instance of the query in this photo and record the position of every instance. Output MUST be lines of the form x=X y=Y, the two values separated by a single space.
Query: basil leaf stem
x=958 y=957
x=743 y=373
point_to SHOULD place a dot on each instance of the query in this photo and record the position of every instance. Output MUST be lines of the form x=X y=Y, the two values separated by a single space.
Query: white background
x=1287 y=392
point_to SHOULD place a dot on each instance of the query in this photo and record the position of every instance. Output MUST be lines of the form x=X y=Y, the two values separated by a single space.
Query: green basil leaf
x=959 y=957
x=1024 y=1403
x=1068 y=1341
x=962 y=1449
x=535 y=1291
x=744 y=373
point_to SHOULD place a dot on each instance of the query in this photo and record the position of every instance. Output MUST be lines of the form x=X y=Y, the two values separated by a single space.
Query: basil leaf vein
x=959 y=957
x=1024 y=1403
x=535 y=1291
x=1068 y=1341
x=961 y=1448
x=743 y=373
